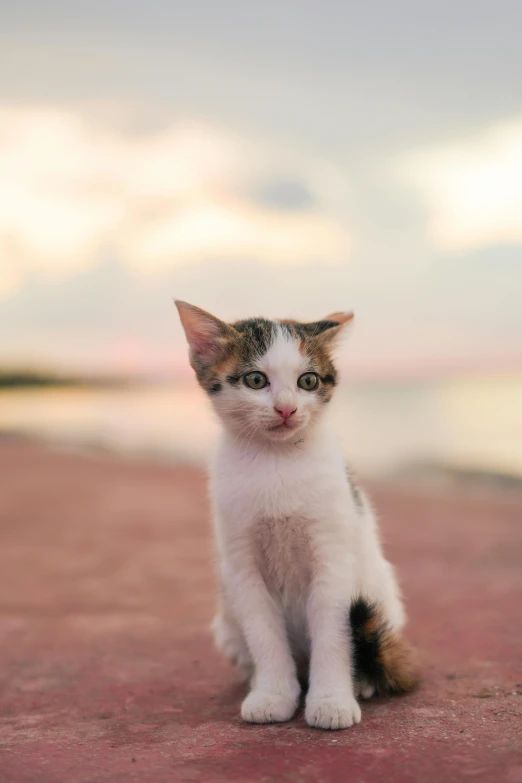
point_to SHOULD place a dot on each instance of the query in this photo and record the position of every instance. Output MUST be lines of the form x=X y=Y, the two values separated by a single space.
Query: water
x=470 y=423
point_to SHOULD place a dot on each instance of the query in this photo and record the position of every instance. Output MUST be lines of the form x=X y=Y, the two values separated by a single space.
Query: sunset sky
x=289 y=158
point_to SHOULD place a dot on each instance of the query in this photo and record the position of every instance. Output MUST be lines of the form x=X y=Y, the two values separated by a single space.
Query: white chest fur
x=297 y=480
x=290 y=510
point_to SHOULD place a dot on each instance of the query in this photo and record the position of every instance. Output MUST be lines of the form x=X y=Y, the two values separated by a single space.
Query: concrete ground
x=107 y=670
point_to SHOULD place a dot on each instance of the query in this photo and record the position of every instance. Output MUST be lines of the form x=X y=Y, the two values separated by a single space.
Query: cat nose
x=286 y=411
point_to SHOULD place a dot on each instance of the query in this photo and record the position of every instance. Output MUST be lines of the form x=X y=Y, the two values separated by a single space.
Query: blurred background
x=285 y=159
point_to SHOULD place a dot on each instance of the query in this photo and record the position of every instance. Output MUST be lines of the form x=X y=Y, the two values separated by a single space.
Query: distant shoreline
x=34 y=379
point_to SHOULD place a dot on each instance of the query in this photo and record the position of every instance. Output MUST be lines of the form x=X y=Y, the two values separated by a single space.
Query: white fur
x=294 y=549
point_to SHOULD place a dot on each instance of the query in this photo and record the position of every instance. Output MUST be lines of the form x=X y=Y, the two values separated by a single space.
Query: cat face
x=267 y=379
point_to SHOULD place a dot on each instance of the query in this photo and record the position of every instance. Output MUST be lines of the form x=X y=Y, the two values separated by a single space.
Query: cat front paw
x=332 y=713
x=264 y=707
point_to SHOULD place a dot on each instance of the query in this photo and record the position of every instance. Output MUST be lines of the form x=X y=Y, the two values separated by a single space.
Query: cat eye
x=255 y=380
x=308 y=381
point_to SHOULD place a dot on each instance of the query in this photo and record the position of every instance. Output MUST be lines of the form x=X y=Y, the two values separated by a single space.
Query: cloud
x=71 y=190
x=472 y=188
x=285 y=193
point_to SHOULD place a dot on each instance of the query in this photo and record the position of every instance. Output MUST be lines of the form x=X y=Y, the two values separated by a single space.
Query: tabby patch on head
x=267 y=378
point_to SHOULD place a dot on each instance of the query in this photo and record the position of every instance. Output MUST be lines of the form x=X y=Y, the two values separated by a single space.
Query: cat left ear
x=340 y=318
x=206 y=334
x=330 y=327
x=338 y=323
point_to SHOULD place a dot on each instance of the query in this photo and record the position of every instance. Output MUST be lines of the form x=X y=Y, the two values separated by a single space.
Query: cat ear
x=338 y=323
x=206 y=334
x=329 y=328
x=340 y=318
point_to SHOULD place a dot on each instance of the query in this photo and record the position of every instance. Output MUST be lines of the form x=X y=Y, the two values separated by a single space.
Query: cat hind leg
x=230 y=640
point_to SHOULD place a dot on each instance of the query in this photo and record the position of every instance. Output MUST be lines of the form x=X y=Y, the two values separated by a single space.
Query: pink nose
x=286 y=411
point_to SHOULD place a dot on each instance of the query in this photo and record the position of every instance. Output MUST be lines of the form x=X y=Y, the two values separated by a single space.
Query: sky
x=286 y=159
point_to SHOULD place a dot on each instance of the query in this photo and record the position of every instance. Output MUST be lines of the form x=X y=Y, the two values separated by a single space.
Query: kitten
x=306 y=593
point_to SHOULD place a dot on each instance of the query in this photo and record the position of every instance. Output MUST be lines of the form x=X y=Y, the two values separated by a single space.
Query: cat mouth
x=283 y=426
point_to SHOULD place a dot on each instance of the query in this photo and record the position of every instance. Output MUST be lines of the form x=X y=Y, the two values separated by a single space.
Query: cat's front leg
x=275 y=689
x=331 y=702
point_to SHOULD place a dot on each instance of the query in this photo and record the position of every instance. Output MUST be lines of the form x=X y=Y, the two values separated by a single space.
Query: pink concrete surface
x=107 y=671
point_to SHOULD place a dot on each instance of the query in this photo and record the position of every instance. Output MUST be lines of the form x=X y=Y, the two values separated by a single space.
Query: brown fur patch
x=208 y=372
x=399 y=664
x=229 y=363
x=283 y=551
x=371 y=625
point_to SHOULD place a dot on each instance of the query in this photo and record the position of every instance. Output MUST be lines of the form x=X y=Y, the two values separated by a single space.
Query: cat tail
x=380 y=654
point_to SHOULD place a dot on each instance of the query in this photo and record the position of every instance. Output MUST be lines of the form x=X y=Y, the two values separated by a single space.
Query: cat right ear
x=205 y=333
